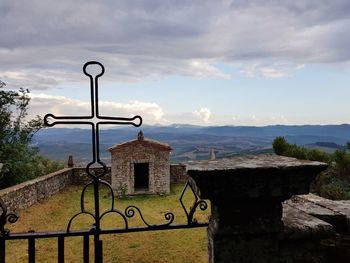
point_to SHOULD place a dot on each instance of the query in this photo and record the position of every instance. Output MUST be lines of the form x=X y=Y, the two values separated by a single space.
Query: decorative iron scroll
x=131 y=211
x=6 y=217
x=196 y=202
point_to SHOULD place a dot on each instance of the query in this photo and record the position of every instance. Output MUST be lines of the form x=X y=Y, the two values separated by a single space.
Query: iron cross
x=135 y=121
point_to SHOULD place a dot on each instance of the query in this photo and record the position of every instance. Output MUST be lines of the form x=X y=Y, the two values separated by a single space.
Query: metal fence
x=95 y=120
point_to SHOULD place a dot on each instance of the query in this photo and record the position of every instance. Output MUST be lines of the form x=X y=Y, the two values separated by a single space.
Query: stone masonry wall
x=80 y=177
x=123 y=168
x=178 y=173
x=28 y=193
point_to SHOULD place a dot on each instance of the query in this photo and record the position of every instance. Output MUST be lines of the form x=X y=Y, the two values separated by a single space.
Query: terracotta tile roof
x=144 y=142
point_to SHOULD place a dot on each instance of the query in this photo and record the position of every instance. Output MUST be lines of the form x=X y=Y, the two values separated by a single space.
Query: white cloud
x=269 y=69
x=272 y=73
x=42 y=104
x=249 y=70
x=202 y=69
x=152 y=111
x=137 y=40
x=203 y=114
x=39 y=79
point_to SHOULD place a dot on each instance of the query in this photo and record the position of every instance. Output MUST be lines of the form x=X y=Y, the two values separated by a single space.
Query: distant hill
x=328 y=147
x=190 y=141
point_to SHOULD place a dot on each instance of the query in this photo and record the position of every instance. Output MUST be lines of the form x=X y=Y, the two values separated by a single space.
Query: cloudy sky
x=201 y=62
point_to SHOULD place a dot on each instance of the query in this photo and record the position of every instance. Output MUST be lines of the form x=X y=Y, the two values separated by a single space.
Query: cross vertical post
x=52 y=120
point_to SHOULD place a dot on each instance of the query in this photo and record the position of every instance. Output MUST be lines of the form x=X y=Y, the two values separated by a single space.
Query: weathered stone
x=298 y=225
x=246 y=217
x=178 y=173
x=28 y=193
x=306 y=239
x=262 y=248
x=70 y=162
x=246 y=195
x=126 y=156
x=258 y=176
x=24 y=195
x=80 y=177
x=336 y=219
x=338 y=207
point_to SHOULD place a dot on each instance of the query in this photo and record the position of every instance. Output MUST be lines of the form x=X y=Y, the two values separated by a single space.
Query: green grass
x=189 y=245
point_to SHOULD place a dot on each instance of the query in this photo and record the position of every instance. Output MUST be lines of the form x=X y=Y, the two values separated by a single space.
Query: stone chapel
x=140 y=166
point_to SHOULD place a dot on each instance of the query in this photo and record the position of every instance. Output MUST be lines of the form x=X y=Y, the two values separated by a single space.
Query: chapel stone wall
x=123 y=160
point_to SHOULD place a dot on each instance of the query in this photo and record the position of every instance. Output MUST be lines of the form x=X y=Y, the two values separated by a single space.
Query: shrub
x=336 y=189
x=280 y=145
x=333 y=183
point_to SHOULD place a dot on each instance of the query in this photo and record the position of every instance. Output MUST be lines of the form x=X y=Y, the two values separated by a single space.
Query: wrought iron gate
x=96 y=182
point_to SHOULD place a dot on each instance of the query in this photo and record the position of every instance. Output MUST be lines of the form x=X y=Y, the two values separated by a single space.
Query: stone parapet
x=336 y=213
x=80 y=177
x=178 y=173
x=246 y=196
x=28 y=193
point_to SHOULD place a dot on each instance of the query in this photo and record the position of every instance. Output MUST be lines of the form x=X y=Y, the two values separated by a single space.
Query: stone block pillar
x=246 y=196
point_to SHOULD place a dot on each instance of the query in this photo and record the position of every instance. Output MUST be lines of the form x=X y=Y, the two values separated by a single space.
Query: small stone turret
x=70 y=162
x=140 y=136
x=212 y=155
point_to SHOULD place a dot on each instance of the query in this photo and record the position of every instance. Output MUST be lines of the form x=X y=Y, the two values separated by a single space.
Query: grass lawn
x=189 y=245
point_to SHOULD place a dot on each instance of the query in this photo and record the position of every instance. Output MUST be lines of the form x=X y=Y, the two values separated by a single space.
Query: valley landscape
x=191 y=142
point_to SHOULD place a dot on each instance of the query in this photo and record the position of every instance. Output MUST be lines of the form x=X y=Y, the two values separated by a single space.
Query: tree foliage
x=282 y=147
x=333 y=183
x=21 y=160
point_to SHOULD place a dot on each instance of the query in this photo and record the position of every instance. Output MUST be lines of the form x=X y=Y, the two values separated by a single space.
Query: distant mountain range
x=192 y=142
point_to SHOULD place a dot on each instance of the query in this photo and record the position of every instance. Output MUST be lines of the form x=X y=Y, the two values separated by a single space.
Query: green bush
x=336 y=189
x=317 y=155
x=280 y=145
x=333 y=183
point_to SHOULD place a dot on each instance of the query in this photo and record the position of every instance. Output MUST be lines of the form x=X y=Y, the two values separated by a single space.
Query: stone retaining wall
x=80 y=176
x=26 y=194
x=178 y=173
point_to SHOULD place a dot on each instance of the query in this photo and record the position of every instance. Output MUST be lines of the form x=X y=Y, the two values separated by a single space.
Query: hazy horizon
x=187 y=124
